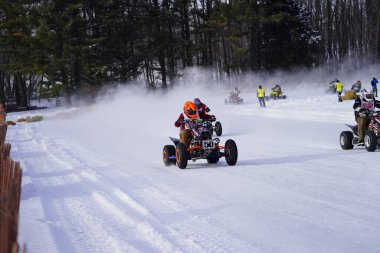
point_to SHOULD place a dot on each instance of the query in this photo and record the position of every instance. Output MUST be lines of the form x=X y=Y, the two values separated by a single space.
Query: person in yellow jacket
x=261 y=96
x=339 y=89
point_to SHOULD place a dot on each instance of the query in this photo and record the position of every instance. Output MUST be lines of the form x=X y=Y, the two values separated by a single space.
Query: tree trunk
x=21 y=96
x=2 y=88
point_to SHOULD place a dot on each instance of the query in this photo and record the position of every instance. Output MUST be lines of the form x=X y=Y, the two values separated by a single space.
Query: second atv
x=233 y=99
x=276 y=93
x=349 y=139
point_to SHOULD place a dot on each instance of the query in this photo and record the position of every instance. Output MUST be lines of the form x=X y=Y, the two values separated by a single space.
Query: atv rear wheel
x=218 y=128
x=346 y=140
x=370 y=141
x=231 y=152
x=181 y=155
x=167 y=152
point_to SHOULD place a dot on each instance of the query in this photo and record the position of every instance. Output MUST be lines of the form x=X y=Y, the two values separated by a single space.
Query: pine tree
x=288 y=38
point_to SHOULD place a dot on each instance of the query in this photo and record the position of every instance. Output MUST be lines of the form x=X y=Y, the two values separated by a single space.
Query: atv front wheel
x=346 y=138
x=231 y=152
x=218 y=128
x=370 y=141
x=167 y=155
x=181 y=155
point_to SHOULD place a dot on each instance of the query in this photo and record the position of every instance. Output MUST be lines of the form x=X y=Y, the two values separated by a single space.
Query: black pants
x=339 y=96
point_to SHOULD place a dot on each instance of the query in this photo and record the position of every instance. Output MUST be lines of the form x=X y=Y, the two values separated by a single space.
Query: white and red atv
x=202 y=146
x=349 y=139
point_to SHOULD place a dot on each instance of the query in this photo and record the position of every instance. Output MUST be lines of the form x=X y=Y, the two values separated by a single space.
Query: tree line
x=51 y=47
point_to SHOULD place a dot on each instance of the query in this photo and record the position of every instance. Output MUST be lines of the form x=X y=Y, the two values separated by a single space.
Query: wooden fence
x=10 y=193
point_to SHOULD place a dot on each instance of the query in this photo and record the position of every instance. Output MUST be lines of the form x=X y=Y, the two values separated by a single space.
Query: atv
x=201 y=146
x=349 y=139
x=233 y=99
x=275 y=95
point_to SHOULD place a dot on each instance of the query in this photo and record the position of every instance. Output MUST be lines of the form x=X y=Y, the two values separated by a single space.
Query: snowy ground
x=94 y=180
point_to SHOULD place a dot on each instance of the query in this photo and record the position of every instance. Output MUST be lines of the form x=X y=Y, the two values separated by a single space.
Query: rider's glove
x=363 y=112
x=213 y=118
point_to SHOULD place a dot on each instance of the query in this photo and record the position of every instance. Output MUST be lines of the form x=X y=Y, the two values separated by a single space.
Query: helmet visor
x=190 y=111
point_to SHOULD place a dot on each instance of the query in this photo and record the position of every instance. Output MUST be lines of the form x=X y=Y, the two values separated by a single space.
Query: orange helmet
x=190 y=109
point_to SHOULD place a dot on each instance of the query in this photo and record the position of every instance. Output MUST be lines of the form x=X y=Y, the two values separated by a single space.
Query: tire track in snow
x=143 y=229
x=65 y=202
x=67 y=158
x=88 y=228
x=198 y=229
x=141 y=216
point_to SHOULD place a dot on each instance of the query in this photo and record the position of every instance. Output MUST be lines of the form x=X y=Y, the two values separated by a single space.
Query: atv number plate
x=208 y=144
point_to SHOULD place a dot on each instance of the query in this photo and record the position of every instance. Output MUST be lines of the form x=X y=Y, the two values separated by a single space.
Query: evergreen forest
x=52 y=48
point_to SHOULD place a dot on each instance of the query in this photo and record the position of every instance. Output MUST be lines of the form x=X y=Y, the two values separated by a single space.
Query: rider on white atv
x=363 y=104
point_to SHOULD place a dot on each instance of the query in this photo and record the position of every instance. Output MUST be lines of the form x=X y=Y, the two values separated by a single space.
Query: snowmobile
x=275 y=95
x=202 y=146
x=349 y=139
x=233 y=99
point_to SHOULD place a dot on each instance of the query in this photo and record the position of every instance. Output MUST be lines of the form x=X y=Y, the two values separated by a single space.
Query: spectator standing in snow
x=339 y=89
x=374 y=83
x=261 y=96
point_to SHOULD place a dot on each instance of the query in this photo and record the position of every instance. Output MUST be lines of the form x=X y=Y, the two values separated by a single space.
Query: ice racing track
x=90 y=185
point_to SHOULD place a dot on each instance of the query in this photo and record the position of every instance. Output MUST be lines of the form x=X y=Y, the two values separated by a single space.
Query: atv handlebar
x=368 y=113
x=197 y=121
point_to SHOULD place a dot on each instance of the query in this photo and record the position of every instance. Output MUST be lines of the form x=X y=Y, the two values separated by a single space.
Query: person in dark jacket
x=363 y=104
x=202 y=108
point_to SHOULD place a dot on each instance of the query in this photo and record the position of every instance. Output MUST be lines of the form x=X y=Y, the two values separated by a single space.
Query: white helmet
x=366 y=95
